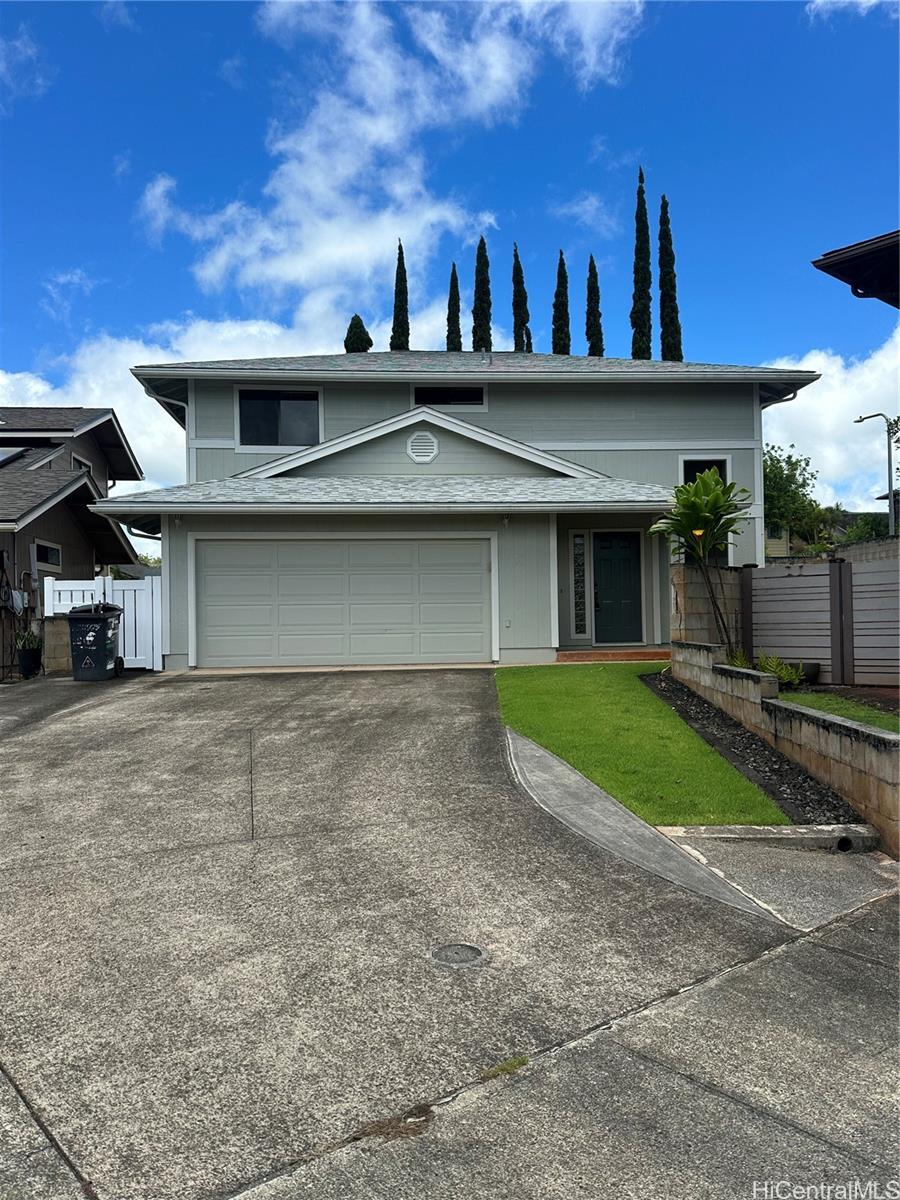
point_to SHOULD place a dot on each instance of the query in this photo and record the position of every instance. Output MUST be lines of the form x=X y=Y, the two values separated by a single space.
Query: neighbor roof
x=31 y=425
x=871 y=268
x=163 y=381
x=25 y=494
x=390 y=493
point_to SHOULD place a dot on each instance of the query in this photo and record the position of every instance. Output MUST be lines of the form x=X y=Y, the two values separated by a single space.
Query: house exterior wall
x=456 y=456
x=524 y=551
x=59 y=526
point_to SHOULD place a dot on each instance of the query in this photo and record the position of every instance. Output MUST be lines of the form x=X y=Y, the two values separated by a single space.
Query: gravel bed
x=804 y=799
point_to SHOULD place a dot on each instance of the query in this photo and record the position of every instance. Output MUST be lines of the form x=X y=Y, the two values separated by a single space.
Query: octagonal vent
x=422 y=446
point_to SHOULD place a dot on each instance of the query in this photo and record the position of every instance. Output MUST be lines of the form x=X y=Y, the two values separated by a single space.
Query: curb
x=838 y=839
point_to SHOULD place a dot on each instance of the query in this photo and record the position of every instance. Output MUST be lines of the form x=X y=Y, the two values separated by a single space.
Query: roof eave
x=295 y=509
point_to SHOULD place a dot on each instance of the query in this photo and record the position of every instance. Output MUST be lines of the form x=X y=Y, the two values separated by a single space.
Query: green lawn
x=600 y=718
x=838 y=706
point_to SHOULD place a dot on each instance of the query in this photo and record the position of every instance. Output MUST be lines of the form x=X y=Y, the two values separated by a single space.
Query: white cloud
x=121 y=165
x=588 y=35
x=818 y=8
x=23 y=72
x=59 y=290
x=851 y=459
x=590 y=210
x=115 y=14
x=231 y=71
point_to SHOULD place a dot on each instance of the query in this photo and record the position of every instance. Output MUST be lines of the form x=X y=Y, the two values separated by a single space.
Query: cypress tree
x=400 y=327
x=521 y=315
x=562 y=338
x=592 y=324
x=454 y=333
x=481 y=305
x=641 y=323
x=357 y=340
x=669 y=322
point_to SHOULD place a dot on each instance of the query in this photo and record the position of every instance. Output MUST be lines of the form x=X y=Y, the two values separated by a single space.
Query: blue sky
x=190 y=180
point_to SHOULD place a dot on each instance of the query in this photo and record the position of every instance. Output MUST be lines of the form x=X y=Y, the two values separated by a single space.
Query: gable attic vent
x=422 y=446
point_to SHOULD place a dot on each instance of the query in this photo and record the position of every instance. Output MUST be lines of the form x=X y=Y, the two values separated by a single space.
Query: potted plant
x=28 y=645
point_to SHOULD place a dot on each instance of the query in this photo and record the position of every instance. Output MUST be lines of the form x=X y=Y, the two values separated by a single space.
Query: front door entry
x=617 y=588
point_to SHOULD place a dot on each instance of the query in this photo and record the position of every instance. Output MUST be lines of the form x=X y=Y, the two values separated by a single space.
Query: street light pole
x=892 y=427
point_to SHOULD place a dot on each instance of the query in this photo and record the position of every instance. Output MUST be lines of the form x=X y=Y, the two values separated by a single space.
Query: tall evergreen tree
x=641 y=322
x=562 y=337
x=521 y=315
x=669 y=321
x=454 y=333
x=593 y=327
x=357 y=340
x=481 y=303
x=400 y=327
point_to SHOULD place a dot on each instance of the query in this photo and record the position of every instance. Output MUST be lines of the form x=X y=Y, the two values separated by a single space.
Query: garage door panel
x=456 y=584
x=312 y=646
x=314 y=555
x=450 y=556
x=378 y=555
x=238 y=587
x=323 y=601
x=237 y=617
x=318 y=586
x=399 y=584
x=379 y=645
x=311 y=615
x=465 y=645
x=453 y=614
x=382 y=614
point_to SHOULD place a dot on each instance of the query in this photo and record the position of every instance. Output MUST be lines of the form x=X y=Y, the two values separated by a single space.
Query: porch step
x=644 y=654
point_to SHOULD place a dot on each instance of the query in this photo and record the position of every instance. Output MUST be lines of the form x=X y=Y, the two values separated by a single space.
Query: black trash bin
x=94 y=636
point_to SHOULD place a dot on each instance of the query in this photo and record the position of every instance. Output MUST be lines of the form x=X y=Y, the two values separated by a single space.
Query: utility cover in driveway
x=328 y=602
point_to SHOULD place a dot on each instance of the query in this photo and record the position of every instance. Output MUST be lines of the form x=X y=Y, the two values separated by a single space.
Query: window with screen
x=269 y=417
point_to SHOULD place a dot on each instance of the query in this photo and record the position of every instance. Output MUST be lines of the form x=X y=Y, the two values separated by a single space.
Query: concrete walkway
x=593 y=814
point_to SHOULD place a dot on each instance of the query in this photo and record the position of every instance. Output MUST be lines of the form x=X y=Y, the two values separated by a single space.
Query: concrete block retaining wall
x=860 y=763
x=57 y=656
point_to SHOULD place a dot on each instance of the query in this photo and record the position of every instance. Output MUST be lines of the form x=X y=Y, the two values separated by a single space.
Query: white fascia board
x=480 y=374
x=421 y=416
x=49 y=457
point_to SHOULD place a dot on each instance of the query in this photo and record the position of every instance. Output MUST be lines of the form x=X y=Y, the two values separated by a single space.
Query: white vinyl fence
x=140 y=629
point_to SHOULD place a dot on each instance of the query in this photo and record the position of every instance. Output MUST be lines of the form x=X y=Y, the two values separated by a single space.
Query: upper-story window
x=456 y=396
x=692 y=467
x=268 y=417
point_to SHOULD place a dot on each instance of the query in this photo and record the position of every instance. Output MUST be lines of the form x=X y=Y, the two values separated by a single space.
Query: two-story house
x=432 y=507
x=54 y=463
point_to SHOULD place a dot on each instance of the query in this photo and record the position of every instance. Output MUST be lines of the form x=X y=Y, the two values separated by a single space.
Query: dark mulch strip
x=798 y=794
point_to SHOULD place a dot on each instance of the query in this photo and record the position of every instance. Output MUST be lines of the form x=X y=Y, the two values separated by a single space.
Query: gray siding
x=523 y=552
x=456 y=456
x=59 y=526
x=218 y=462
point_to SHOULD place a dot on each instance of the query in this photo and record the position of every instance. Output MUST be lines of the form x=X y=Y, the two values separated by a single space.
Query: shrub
x=788 y=674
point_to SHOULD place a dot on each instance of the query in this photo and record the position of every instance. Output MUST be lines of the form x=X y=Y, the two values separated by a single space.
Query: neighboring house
x=54 y=463
x=871 y=268
x=436 y=507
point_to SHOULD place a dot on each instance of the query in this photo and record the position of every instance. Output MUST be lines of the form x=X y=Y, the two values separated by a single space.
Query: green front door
x=617 y=588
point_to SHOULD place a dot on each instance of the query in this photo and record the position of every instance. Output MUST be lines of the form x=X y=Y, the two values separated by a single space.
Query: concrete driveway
x=217 y=898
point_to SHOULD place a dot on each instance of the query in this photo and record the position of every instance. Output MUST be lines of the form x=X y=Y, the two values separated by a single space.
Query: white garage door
x=289 y=603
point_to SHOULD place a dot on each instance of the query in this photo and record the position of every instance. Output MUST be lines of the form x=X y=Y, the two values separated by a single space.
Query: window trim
x=84 y=464
x=247 y=448
x=42 y=566
x=450 y=408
